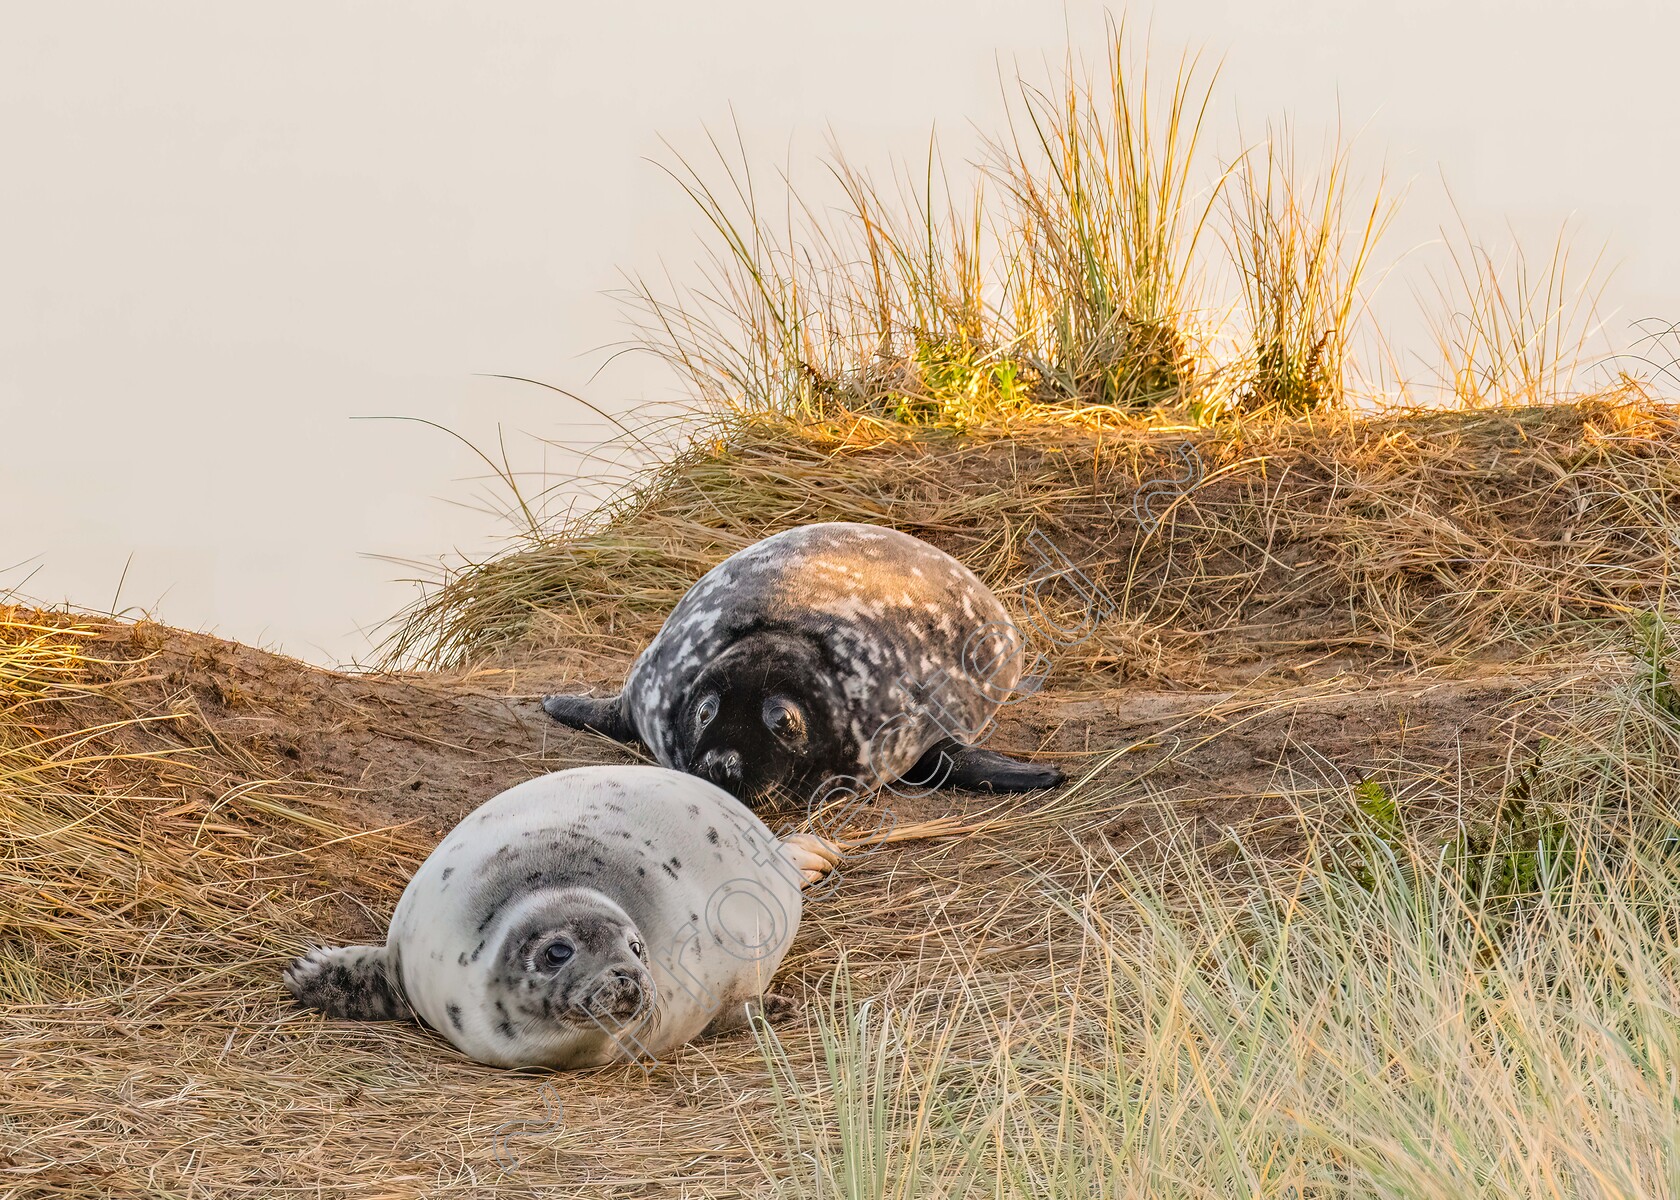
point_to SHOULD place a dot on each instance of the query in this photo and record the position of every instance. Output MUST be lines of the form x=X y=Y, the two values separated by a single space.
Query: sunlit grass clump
x=1509 y=330
x=1062 y=277
x=1301 y=255
x=1099 y=259
x=1437 y=535
x=1394 y=1017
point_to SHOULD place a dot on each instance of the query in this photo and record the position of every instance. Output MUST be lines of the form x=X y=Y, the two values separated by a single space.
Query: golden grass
x=147 y=886
x=1511 y=332
x=1107 y=210
x=1433 y=535
x=75 y=852
x=1300 y=258
x=1070 y=267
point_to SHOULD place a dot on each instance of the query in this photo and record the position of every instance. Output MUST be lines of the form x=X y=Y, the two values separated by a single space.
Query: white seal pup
x=589 y=916
x=832 y=652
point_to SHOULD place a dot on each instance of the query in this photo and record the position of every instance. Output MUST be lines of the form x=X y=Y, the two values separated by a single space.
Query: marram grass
x=1098 y=256
x=123 y=873
x=1068 y=268
x=1375 y=1022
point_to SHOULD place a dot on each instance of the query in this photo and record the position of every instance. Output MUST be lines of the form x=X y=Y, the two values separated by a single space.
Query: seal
x=590 y=916
x=835 y=651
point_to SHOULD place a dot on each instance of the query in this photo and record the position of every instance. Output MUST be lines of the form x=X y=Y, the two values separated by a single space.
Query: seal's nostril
x=721 y=766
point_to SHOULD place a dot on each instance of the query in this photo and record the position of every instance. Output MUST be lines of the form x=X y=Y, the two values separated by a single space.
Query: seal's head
x=766 y=713
x=567 y=963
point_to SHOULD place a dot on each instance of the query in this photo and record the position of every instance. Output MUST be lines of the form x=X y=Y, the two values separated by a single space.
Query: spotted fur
x=658 y=955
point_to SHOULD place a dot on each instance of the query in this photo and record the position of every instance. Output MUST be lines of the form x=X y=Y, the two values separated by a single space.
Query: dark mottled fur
x=353 y=982
x=790 y=665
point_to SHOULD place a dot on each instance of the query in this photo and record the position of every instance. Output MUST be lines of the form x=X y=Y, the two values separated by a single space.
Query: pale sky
x=228 y=228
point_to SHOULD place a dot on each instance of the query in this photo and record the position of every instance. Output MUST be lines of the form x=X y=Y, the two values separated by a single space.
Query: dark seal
x=832 y=653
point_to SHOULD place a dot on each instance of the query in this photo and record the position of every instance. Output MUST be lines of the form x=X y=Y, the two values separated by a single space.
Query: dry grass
x=1301 y=258
x=1070 y=267
x=1432 y=535
x=147 y=874
x=1107 y=210
x=1374 y=1020
x=78 y=849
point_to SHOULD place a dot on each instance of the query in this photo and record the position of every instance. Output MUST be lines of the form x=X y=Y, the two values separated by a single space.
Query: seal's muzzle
x=722 y=767
x=623 y=995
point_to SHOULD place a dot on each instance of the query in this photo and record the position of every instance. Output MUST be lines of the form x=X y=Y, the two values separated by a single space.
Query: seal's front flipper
x=951 y=764
x=812 y=856
x=355 y=982
x=586 y=712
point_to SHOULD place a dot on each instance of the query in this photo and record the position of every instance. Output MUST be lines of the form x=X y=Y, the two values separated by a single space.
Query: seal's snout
x=722 y=767
x=622 y=995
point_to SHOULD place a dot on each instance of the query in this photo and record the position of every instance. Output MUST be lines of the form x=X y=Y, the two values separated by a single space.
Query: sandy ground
x=234 y=1091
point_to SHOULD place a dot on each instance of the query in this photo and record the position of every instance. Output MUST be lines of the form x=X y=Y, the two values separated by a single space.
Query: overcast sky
x=226 y=229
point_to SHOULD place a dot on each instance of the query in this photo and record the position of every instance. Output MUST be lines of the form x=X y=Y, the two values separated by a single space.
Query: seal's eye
x=555 y=954
x=636 y=949
x=705 y=711
x=783 y=719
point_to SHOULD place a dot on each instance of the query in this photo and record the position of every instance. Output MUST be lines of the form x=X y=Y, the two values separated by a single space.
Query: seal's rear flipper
x=357 y=982
x=586 y=712
x=773 y=1007
x=951 y=764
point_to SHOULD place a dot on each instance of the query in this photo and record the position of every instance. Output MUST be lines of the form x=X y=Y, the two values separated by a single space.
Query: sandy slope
x=197 y=1077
